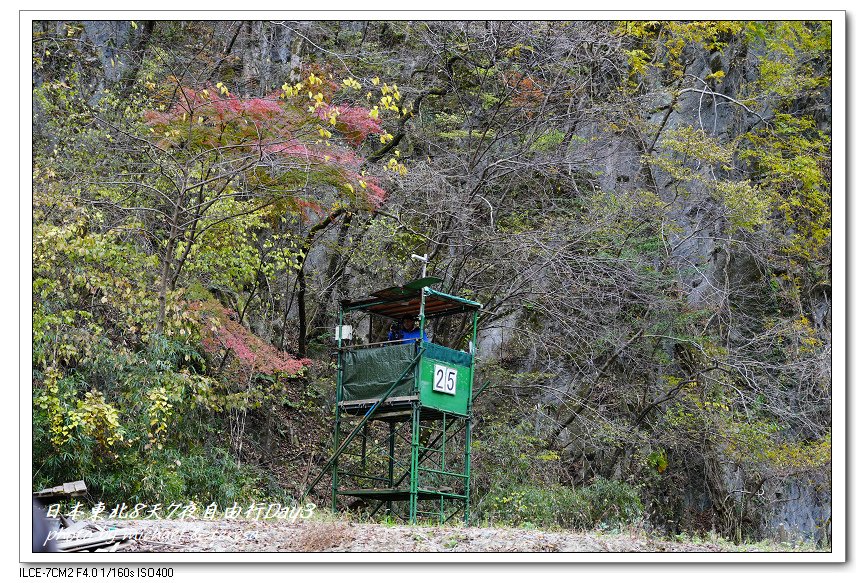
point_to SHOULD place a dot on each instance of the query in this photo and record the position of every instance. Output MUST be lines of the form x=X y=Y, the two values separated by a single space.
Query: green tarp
x=446 y=354
x=368 y=373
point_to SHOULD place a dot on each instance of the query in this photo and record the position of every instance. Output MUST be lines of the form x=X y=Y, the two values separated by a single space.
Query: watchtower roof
x=404 y=300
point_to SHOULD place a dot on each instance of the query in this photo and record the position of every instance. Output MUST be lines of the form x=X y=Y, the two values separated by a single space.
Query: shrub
x=603 y=504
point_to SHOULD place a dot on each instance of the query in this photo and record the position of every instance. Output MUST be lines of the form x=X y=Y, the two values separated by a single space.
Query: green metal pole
x=423 y=294
x=481 y=390
x=390 y=461
x=442 y=498
x=468 y=444
x=414 y=485
x=363 y=437
x=415 y=444
x=468 y=450
x=334 y=483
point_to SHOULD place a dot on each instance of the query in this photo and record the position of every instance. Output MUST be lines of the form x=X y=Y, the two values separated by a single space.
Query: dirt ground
x=313 y=536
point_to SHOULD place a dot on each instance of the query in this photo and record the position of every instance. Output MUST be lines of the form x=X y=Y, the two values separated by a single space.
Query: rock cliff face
x=717 y=267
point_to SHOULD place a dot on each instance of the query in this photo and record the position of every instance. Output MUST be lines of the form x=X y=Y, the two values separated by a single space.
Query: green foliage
x=89 y=278
x=512 y=446
x=792 y=49
x=663 y=44
x=151 y=443
x=113 y=403
x=658 y=460
x=791 y=160
x=602 y=504
x=517 y=479
x=548 y=140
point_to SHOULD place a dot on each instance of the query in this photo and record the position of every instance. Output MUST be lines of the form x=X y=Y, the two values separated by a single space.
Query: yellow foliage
x=351 y=83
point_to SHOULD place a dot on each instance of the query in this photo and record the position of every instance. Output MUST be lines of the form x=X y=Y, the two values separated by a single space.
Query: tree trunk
x=301 y=312
x=301 y=278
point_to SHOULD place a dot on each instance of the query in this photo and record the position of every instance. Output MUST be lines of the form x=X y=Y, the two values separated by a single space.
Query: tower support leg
x=468 y=454
x=415 y=448
x=390 y=462
x=334 y=484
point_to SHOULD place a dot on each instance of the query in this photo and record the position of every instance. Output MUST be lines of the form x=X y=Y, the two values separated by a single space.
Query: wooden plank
x=68 y=489
x=398 y=494
x=390 y=401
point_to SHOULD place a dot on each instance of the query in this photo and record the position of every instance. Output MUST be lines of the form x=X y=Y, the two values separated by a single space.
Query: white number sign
x=445 y=380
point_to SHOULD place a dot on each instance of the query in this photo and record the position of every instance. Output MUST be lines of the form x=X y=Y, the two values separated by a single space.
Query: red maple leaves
x=354 y=123
x=221 y=332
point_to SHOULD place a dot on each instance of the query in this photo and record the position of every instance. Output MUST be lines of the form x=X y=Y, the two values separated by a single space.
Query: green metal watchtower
x=402 y=428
